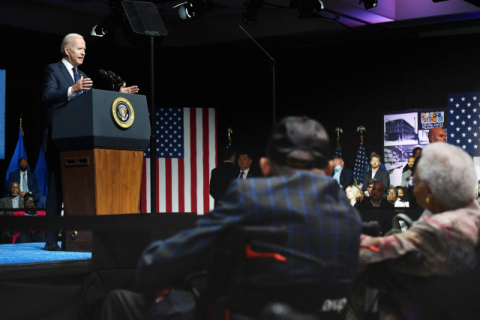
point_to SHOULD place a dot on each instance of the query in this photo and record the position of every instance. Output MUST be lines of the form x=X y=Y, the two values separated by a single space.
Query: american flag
x=186 y=154
x=337 y=153
x=464 y=121
x=360 y=164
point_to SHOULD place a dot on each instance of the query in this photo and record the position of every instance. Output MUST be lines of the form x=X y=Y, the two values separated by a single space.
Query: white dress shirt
x=23 y=188
x=245 y=174
x=69 y=67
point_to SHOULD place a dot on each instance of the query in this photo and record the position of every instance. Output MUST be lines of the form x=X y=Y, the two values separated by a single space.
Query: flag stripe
x=168 y=185
x=188 y=161
x=161 y=185
x=181 y=186
x=206 y=163
x=193 y=159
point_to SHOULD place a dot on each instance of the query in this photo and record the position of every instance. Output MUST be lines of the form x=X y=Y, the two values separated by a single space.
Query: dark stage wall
x=346 y=84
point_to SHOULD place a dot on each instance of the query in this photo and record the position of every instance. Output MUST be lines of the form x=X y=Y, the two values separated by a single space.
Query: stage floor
x=33 y=253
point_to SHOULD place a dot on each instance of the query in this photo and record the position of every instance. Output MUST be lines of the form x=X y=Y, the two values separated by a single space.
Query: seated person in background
x=27 y=180
x=368 y=193
x=25 y=236
x=353 y=193
x=447 y=233
x=392 y=195
x=402 y=198
x=376 y=200
x=342 y=175
x=298 y=193
x=14 y=199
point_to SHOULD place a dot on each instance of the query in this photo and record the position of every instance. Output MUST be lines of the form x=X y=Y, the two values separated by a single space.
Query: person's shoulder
x=387 y=204
x=54 y=66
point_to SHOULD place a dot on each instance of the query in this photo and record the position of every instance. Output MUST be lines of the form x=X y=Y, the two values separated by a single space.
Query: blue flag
x=41 y=172
x=337 y=153
x=360 y=163
x=19 y=153
x=464 y=121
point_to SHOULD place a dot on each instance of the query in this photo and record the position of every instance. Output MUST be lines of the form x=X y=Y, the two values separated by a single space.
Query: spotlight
x=252 y=8
x=369 y=4
x=189 y=10
x=308 y=8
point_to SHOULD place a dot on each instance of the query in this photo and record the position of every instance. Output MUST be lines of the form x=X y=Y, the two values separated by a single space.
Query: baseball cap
x=299 y=142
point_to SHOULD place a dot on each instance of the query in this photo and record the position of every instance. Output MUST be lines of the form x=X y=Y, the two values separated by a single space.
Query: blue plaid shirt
x=323 y=234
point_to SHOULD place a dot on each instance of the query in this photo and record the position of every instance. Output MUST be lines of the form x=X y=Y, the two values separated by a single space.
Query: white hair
x=67 y=41
x=449 y=171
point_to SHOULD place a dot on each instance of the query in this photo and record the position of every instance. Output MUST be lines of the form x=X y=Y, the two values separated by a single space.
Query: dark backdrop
x=345 y=84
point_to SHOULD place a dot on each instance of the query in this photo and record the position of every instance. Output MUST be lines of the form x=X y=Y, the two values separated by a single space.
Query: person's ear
x=267 y=167
x=329 y=168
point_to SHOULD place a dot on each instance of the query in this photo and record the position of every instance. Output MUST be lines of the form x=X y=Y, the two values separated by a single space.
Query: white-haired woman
x=446 y=235
x=447 y=232
x=353 y=193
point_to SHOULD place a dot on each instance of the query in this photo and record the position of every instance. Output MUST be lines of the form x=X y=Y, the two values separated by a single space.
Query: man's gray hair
x=450 y=172
x=67 y=41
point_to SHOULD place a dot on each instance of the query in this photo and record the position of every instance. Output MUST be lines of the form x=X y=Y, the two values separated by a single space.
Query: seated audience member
x=27 y=180
x=342 y=175
x=14 y=199
x=392 y=195
x=376 y=200
x=447 y=233
x=368 y=193
x=407 y=171
x=376 y=173
x=25 y=236
x=298 y=193
x=353 y=193
x=402 y=198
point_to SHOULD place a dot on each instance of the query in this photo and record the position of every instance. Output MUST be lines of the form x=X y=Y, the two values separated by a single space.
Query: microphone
x=106 y=75
x=118 y=80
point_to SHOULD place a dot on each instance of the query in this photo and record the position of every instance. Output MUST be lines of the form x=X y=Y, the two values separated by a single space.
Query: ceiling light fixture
x=369 y=4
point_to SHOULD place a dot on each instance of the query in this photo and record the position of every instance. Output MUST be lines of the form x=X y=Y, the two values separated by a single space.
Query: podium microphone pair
x=116 y=81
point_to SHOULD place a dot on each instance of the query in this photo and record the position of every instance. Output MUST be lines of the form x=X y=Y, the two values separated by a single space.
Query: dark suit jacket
x=56 y=81
x=221 y=177
x=346 y=177
x=31 y=179
x=381 y=176
x=367 y=203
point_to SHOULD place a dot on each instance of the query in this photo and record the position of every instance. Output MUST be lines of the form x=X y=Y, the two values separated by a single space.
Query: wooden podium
x=101 y=136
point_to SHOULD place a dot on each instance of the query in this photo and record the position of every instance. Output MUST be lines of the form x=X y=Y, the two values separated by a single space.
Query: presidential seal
x=122 y=113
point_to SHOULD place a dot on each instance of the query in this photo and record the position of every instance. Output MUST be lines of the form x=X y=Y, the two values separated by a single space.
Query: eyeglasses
x=392 y=193
x=30 y=201
x=14 y=187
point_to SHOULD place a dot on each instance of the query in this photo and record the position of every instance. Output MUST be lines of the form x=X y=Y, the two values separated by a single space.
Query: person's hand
x=132 y=89
x=359 y=199
x=82 y=84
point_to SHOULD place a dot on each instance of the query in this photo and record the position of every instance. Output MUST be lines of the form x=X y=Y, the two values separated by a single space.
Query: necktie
x=24 y=182
x=76 y=78
x=241 y=175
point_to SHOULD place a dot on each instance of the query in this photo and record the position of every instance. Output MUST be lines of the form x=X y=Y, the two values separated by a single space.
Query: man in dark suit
x=223 y=175
x=26 y=179
x=376 y=173
x=297 y=193
x=377 y=201
x=244 y=162
x=62 y=82
x=342 y=175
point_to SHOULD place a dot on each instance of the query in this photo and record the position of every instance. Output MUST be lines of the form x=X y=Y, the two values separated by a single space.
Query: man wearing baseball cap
x=297 y=194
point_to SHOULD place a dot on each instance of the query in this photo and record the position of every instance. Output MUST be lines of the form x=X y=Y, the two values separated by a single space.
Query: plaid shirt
x=448 y=241
x=323 y=229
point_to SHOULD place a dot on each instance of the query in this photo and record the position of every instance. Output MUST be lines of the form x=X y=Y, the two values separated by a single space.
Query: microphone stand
x=272 y=66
